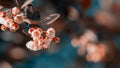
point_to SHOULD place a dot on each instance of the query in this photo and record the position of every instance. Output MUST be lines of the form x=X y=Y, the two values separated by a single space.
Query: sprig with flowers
x=16 y=17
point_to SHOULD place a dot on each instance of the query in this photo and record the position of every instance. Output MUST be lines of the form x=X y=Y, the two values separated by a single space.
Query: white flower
x=2 y=17
x=15 y=10
x=36 y=34
x=3 y=27
x=14 y=27
x=32 y=45
x=8 y=23
x=50 y=33
x=2 y=20
x=19 y=18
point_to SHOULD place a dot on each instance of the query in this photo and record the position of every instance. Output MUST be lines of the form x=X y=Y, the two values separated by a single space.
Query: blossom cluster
x=41 y=39
x=13 y=20
x=88 y=42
